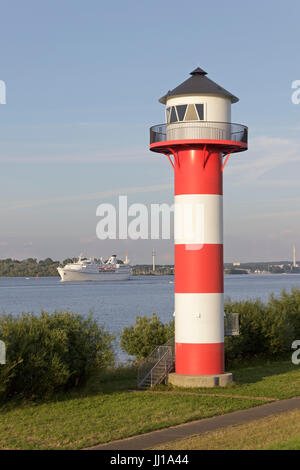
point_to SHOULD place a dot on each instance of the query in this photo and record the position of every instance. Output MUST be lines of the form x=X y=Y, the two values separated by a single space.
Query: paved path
x=155 y=438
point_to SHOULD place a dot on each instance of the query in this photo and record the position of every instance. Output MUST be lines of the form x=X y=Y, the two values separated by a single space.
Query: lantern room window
x=200 y=111
x=191 y=114
x=181 y=109
x=185 y=112
x=173 y=117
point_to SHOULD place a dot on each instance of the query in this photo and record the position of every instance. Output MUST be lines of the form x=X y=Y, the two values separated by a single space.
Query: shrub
x=288 y=304
x=264 y=331
x=140 y=339
x=6 y=374
x=52 y=351
x=251 y=341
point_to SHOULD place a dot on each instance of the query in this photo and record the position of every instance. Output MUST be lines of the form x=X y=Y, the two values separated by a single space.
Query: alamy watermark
x=296 y=94
x=2 y=352
x=2 y=92
x=296 y=354
x=139 y=221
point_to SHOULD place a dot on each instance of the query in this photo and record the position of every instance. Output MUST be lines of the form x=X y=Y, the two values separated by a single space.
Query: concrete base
x=198 y=381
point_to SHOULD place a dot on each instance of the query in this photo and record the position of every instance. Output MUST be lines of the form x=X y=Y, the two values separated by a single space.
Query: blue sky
x=83 y=81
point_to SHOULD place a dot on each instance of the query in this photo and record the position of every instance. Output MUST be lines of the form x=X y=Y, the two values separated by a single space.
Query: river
x=116 y=304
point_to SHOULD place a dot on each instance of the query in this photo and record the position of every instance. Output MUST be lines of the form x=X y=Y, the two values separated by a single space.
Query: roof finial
x=198 y=71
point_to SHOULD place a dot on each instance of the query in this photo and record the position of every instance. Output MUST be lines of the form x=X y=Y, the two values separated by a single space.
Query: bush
x=140 y=339
x=251 y=340
x=6 y=374
x=265 y=330
x=51 y=351
x=288 y=304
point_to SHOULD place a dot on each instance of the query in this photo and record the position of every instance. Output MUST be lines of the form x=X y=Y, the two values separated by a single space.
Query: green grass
x=276 y=432
x=86 y=421
x=109 y=408
x=289 y=444
x=279 y=379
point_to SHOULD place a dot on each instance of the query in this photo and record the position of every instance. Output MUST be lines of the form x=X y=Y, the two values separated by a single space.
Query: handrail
x=199 y=130
x=158 y=362
x=160 y=354
x=155 y=365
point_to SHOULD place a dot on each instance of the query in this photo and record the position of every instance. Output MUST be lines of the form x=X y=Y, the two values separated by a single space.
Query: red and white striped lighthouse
x=198 y=138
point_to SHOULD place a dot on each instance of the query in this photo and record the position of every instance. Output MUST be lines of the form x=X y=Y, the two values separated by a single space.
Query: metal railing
x=199 y=130
x=155 y=368
x=231 y=324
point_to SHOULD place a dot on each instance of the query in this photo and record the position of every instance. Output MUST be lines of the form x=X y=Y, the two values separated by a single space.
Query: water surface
x=116 y=304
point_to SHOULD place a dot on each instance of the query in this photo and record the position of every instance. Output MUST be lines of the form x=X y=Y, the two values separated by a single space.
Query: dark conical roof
x=198 y=71
x=198 y=84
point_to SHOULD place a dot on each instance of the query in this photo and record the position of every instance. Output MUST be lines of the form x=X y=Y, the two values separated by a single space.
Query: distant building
x=236 y=264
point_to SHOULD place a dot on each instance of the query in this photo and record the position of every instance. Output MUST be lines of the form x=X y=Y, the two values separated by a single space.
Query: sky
x=83 y=81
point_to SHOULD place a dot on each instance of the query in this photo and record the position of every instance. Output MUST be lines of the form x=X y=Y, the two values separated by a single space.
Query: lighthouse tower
x=198 y=137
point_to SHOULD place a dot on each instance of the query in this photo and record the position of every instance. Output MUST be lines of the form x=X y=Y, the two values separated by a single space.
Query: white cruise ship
x=87 y=269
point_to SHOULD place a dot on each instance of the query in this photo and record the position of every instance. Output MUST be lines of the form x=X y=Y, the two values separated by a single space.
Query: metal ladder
x=155 y=368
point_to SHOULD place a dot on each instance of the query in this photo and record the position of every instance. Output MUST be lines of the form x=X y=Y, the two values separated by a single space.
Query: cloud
x=95 y=157
x=265 y=154
x=85 y=197
x=278 y=215
x=283 y=234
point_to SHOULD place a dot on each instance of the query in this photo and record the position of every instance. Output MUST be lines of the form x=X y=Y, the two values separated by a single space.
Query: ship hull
x=68 y=275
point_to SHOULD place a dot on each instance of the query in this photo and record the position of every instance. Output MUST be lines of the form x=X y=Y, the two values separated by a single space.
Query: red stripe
x=199 y=359
x=223 y=145
x=199 y=271
x=198 y=172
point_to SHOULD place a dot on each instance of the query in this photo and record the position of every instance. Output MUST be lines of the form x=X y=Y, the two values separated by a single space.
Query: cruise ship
x=88 y=269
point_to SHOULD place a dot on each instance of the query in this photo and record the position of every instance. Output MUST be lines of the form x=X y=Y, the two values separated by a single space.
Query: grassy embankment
x=110 y=407
x=277 y=432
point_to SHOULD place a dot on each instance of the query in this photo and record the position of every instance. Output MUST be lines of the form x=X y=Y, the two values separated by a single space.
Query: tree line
x=29 y=267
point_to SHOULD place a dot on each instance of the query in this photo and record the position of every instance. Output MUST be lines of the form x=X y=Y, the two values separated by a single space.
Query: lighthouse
x=198 y=137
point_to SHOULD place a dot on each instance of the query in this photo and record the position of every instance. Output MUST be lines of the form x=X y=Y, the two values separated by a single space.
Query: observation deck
x=229 y=136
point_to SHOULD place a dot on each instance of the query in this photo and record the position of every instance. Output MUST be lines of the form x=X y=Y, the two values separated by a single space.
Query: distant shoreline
x=155 y=274
x=44 y=268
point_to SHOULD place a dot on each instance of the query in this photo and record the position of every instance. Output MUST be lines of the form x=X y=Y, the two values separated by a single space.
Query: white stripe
x=199 y=318
x=198 y=219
